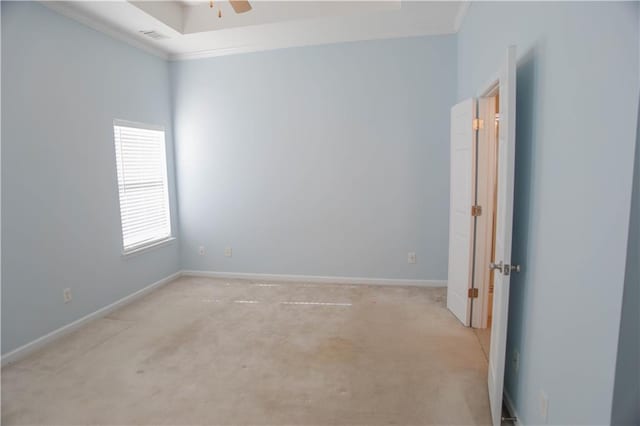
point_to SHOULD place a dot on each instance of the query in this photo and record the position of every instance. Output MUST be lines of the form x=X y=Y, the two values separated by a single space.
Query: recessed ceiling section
x=170 y=13
x=203 y=18
x=192 y=29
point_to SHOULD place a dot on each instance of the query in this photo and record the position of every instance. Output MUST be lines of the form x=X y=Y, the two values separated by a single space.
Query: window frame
x=159 y=242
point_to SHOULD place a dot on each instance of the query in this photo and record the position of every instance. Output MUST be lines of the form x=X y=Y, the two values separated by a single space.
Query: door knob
x=504 y=269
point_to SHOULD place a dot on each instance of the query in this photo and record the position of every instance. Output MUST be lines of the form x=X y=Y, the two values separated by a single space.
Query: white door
x=460 y=219
x=502 y=275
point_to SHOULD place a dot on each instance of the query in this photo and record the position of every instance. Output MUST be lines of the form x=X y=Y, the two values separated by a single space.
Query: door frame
x=506 y=76
x=486 y=170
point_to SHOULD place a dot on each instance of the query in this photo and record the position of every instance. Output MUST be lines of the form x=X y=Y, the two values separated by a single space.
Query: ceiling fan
x=239 y=6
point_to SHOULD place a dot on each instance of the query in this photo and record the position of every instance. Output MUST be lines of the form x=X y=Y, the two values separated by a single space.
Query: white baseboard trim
x=512 y=409
x=315 y=279
x=34 y=345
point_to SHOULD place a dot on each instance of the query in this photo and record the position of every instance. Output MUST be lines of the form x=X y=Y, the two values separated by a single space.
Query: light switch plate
x=544 y=407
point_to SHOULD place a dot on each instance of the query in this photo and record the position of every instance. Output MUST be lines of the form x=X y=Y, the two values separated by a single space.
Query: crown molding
x=212 y=53
x=67 y=9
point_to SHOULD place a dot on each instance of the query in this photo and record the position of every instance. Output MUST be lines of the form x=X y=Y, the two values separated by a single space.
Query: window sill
x=145 y=248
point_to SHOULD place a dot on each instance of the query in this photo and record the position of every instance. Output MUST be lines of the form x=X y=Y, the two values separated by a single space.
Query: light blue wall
x=62 y=86
x=576 y=119
x=626 y=396
x=329 y=160
x=362 y=126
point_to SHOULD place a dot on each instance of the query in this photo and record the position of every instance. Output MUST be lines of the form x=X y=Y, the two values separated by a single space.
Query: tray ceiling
x=191 y=29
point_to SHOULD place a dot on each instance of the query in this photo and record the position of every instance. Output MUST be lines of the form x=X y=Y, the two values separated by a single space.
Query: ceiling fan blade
x=240 y=6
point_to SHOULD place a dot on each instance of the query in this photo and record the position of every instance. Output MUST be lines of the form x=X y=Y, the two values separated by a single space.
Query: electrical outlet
x=544 y=407
x=411 y=257
x=201 y=250
x=516 y=360
x=66 y=294
x=228 y=252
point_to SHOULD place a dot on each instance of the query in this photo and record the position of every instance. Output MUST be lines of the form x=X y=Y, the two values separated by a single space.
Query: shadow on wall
x=528 y=90
x=626 y=392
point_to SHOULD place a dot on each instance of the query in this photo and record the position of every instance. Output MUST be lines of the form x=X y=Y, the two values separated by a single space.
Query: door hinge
x=473 y=293
x=478 y=124
x=476 y=211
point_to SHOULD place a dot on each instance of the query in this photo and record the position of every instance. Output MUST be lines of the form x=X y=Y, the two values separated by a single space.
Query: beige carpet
x=204 y=351
x=484 y=337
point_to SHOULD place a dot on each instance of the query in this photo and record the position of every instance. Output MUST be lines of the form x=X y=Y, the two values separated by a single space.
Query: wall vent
x=153 y=34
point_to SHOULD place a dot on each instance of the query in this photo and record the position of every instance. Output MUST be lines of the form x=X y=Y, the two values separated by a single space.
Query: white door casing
x=506 y=167
x=462 y=177
x=486 y=166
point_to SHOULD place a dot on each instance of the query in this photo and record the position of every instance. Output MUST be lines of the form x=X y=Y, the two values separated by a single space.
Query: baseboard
x=34 y=345
x=316 y=279
x=512 y=409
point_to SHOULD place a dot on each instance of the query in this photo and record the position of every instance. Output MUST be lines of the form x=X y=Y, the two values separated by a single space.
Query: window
x=142 y=184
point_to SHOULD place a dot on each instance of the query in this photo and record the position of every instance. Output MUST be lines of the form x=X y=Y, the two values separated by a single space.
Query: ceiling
x=184 y=29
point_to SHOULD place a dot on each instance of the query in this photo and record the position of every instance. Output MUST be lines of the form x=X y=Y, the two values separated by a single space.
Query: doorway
x=483 y=143
x=488 y=129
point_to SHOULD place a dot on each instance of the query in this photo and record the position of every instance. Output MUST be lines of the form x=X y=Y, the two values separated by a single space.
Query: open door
x=461 y=232
x=503 y=267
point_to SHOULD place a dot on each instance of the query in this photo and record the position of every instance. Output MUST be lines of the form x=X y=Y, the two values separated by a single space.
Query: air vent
x=153 y=34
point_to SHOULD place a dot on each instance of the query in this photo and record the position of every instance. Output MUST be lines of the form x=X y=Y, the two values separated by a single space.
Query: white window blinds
x=142 y=184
